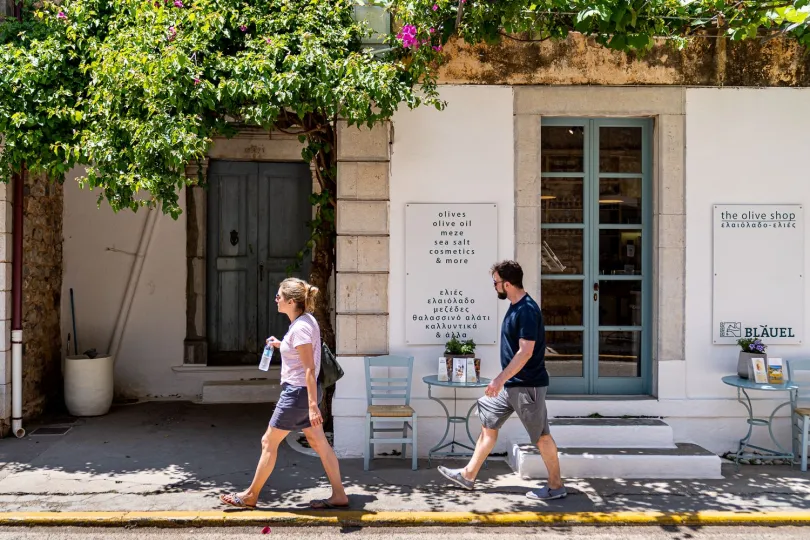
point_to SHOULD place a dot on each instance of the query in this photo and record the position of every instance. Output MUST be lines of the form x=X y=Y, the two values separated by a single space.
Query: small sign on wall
x=449 y=249
x=758 y=289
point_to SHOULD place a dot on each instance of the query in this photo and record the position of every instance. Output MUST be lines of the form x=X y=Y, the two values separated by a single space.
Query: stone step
x=611 y=433
x=683 y=461
x=255 y=391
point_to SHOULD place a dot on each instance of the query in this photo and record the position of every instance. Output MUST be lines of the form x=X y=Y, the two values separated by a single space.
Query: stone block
x=362 y=217
x=6 y=248
x=256 y=148
x=671 y=302
x=527 y=160
x=527 y=220
x=5 y=276
x=6 y=217
x=5 y=403
x=5 y=305
x=346 y=334
x=672 y=231
x=599 y=100
x=5 y=365
x=671 y=177
x=362 y=293
x=6 y=192
x=363 y=253
x=363 y=144
x=363 y=180
x=5 y=335
x=362 y=334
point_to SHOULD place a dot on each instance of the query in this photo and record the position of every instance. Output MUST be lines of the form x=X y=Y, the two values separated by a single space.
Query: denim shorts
x=292 y=409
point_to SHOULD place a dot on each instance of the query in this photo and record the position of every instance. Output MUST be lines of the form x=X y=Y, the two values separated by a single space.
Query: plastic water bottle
x=267 y=355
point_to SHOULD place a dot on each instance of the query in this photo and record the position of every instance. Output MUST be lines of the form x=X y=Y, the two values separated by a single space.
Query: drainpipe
x=16 y=310
x=132 y=284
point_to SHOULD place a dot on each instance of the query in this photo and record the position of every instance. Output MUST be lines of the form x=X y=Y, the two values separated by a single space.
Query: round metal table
x=433 y=380
x=743 y=385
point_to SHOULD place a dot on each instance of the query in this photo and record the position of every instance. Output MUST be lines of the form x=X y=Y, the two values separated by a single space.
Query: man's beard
x=501 y=295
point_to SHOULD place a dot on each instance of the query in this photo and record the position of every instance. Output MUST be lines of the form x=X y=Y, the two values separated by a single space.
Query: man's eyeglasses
x=495 y=283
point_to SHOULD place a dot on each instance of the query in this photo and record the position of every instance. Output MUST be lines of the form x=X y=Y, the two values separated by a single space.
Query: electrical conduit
x=132 y=283
x=16 y=308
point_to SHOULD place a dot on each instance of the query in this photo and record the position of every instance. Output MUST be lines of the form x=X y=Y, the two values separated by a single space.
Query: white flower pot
x=88 y=385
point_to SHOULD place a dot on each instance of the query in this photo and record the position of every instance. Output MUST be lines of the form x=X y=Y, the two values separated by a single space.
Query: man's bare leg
x=548 y=451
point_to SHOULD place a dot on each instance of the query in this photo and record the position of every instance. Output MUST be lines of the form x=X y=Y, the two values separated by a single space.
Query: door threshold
x=599 y=397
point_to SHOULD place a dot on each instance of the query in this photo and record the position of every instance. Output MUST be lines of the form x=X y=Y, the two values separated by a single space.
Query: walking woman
x=297 y=407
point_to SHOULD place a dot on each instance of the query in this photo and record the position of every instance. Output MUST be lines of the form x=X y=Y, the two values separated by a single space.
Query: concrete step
x=255 y=391
x=609 y=433
x=683 y=461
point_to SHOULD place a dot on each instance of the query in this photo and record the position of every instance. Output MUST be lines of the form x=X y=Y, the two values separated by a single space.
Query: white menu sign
x=449 y=250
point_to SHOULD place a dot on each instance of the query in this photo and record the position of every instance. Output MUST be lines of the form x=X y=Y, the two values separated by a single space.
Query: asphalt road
x=445 y=533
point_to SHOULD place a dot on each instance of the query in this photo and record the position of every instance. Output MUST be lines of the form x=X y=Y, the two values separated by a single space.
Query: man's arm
x=518 y=361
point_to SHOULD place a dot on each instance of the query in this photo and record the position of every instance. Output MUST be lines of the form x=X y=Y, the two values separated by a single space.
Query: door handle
x=595 y=291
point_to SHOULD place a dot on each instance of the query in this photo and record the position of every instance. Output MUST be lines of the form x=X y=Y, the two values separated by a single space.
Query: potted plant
x=750 y=348
x=460 y=349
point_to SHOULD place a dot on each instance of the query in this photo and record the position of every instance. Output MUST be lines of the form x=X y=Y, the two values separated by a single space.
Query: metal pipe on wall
x=16 y=308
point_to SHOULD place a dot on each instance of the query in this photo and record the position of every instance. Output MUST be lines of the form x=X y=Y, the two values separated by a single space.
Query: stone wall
x=42 y=286
x=706 y=61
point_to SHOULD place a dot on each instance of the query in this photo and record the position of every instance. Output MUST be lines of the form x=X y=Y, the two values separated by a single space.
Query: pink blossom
x=178 y=4
x=408 y=36
x=196 y=80
x=61 y=15
x=243 y=28
x=269 y=41
x=437 y=48
x=432 y=30
x=172 y=33
x=435 y=7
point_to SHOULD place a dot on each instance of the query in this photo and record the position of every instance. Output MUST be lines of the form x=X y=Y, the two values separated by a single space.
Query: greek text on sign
x=449 y=249
x=758 y=273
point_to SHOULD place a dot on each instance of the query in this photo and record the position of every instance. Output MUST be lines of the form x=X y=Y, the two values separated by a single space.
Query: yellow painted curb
x=370 y=519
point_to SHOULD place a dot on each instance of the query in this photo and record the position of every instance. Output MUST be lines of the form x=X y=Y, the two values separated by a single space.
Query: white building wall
x=743 y=146
x=464 y=154
x=99 y=251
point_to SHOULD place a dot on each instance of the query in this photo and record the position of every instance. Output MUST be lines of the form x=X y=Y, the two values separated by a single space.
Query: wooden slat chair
x=395 y=391
x=800 y=419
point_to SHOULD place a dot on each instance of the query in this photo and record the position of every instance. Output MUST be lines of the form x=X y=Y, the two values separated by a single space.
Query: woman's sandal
x=232 y=499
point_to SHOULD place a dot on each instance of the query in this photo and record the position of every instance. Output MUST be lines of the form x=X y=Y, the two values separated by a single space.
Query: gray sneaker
x=547 y=494
x=455 y=476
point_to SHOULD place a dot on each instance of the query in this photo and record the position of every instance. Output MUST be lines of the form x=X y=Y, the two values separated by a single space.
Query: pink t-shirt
x=303 y=330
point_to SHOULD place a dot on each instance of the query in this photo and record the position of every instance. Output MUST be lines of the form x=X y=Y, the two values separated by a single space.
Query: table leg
x=446 y=428
x=451 y=419
x=779 y=452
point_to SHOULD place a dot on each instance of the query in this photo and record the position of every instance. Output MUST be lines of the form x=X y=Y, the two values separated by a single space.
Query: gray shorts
x=528 y=403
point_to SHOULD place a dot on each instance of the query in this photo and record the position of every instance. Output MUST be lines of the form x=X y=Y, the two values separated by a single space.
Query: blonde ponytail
x=311 y=296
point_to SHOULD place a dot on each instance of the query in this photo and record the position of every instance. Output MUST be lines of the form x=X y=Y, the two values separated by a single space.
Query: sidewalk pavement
x=158 y=463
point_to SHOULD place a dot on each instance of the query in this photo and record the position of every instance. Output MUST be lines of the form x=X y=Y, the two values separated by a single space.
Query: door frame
x=250 y=144
x=590 y=383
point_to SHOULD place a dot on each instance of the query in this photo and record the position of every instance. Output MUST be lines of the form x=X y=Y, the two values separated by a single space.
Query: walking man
x=520 y=387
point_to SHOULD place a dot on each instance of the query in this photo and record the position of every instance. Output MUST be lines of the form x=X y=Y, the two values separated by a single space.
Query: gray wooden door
x=257 y=222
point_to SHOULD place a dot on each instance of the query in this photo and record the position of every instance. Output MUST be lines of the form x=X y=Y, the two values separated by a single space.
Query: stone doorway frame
x=250 y=144
x=667 y=106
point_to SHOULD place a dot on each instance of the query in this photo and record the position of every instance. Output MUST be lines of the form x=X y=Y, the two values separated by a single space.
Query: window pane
x=562 y=148
x=561 y=251
x=561 y=200
x=620 y=200
x=619 y=252
x=561 y=302
x=620 y=303
x=564 y=354
x=620 y=354
x=620 y=149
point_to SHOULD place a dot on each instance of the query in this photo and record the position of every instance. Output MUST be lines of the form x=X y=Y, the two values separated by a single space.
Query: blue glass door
x=596 y=254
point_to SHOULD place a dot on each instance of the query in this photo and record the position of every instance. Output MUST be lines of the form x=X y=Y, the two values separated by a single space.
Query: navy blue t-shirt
x=524 y=320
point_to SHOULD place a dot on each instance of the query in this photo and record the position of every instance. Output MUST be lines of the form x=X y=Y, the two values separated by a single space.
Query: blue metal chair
x=800 y=417
x=395 y=391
